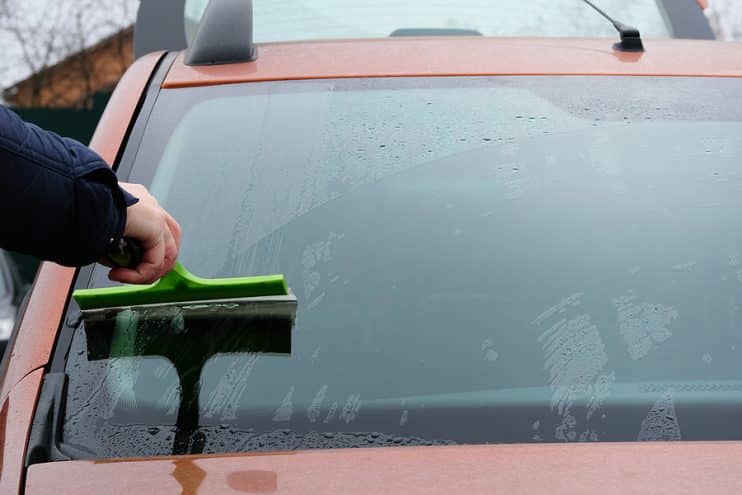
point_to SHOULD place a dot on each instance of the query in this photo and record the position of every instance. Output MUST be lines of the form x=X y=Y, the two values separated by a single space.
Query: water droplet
x=491 y=355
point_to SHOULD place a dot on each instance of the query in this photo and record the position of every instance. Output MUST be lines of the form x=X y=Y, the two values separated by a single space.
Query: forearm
x=58 y=199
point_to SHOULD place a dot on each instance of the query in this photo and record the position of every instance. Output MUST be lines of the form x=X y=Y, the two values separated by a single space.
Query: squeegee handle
x=127 y=253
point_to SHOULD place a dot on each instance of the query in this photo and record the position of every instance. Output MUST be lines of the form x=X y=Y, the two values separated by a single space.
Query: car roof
x=475 y=56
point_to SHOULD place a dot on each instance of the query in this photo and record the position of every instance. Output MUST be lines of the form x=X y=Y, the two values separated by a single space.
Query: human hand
x=157 y=232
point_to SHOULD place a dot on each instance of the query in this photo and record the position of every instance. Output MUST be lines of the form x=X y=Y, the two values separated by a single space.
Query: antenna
x=224 y=35
x=631 y=40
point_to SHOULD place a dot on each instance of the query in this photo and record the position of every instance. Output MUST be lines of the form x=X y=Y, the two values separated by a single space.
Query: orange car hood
x=636 y=468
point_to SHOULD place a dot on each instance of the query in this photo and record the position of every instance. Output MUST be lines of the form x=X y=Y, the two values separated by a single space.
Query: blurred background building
x=74 y=81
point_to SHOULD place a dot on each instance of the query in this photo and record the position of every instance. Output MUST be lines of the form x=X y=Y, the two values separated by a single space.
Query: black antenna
x=224 y=35
x=631 y=40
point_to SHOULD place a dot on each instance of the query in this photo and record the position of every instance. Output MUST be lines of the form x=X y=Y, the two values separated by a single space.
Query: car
x=517 y=262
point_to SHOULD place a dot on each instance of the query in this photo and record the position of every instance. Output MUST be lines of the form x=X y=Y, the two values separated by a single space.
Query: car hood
x=663 y=467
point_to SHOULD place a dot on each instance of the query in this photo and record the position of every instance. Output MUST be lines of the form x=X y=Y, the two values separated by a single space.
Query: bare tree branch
x=38 y=34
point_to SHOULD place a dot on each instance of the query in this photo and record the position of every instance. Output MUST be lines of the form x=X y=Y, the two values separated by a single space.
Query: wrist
x=129 y=199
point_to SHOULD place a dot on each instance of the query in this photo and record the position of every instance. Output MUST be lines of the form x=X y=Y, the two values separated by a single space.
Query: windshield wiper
x=631 y=40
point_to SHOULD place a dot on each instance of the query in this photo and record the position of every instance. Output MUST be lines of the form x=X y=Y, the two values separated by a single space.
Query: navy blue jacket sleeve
x=59 y=200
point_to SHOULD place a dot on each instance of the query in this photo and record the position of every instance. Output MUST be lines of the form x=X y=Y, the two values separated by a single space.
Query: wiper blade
x=631 y=40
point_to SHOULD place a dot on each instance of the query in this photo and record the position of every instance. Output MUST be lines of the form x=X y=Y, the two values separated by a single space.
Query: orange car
x=518 y=263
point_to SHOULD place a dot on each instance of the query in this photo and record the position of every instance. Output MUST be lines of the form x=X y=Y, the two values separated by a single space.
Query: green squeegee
x=181 y=286
x=186 y=320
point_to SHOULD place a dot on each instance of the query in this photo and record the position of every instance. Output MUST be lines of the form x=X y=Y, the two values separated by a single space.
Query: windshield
x=476 y=260
x=287 y=20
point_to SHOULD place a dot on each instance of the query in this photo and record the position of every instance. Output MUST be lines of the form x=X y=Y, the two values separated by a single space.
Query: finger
x=143 y=274
x=152 y=266
x=171 y=251
x=175 y=229
x=126 y=276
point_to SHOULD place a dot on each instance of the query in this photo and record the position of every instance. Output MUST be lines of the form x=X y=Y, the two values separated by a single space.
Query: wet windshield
x=284 y=20
x=476 y=260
